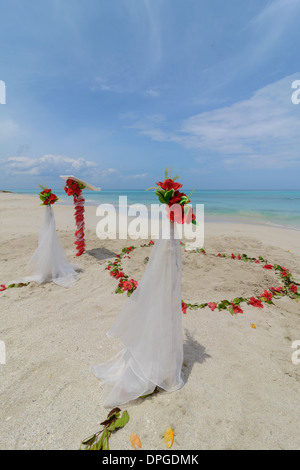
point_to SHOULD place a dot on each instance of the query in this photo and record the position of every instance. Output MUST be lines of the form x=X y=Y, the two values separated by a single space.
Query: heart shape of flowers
x=290 y=287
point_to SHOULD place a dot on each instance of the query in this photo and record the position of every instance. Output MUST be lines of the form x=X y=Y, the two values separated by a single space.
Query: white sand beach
x=241 y=387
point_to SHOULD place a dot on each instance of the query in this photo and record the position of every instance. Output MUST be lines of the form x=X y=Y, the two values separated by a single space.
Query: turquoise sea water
x=280 y=208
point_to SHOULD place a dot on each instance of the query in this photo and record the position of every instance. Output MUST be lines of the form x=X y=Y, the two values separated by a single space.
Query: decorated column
x=74 y=187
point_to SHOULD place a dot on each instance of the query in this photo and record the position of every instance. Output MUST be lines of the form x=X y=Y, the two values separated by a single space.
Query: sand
x=241 y=387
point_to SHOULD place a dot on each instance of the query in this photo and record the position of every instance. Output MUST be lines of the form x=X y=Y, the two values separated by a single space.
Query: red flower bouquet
x=73 y=188
x=177 y=202
x=47 y=197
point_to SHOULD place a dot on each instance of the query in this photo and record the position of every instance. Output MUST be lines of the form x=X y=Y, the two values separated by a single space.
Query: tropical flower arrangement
x=47 y=197
x=290 y=287
x=73 y=188
x=177 y=202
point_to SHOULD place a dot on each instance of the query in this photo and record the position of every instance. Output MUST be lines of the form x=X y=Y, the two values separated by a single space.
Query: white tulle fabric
x=150 y=328
x=49 y=262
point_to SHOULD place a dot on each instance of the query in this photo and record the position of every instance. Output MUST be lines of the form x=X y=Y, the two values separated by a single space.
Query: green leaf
x=168 y=195
x=89 y=441
x=120 y=422
x=160 y=197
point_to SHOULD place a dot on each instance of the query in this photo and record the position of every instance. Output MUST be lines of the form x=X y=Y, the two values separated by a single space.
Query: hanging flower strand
x=74 y=188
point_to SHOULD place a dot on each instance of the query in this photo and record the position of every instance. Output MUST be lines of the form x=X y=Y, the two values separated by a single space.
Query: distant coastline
x=1 y=191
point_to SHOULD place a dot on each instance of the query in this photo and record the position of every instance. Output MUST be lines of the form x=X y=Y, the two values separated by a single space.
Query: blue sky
x=114 y=91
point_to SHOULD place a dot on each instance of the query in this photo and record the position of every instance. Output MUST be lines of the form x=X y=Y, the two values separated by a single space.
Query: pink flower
x=212 y=305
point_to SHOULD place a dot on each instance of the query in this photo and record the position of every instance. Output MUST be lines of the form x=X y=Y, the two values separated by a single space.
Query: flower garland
x=168 y=193
x=116 y=271
x=74 y=188
x=290 y=287
x=47 y=197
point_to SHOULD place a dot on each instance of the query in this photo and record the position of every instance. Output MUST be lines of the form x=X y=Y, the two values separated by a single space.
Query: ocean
x=277 y=208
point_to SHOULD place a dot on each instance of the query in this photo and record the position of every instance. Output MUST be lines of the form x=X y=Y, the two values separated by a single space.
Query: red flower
x=169 y=184
x=256 y=261
x=219 y=255
x=233 y=256
x=255 y=303
x=268 y=266
x=151 y=242
x=212 y=305
x=294 y=288
x=274 y=290
x=2 y=287
x=183 y=307
x=177 y=198
x=135 y=283
x=267 y=295
x=128 y=285
x=236 y=309
x=239 y=257
x=52 y=198
x=119 y=274
x=176 y=214
x=125 y=285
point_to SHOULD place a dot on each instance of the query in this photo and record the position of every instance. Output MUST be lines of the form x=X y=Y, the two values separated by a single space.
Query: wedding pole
x=74 y=187
x=149 y=325
x=49 y=261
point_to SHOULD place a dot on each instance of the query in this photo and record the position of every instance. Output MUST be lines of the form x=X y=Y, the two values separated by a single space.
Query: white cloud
x=142 y=175
x=260 y=132
x=47 y=165
x=152 y=92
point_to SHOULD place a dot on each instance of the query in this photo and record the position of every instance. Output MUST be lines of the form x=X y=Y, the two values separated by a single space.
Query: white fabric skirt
x=49 y=261
x=150 y=329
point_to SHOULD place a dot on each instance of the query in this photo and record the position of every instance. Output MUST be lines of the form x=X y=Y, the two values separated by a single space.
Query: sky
x=115 y=91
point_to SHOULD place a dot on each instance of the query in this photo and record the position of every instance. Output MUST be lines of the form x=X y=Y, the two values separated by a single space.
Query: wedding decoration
x=177 y=202
x=47 y=197
x=149 y=326
x=74 y=187
x=49 y=262
x=291 y=288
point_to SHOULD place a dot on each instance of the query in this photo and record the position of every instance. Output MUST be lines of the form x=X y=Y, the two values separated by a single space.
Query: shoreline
x=208 y=218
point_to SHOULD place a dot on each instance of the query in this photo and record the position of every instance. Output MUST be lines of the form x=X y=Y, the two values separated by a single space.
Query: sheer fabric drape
x=150 y=329
x=49 y=262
